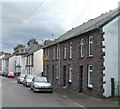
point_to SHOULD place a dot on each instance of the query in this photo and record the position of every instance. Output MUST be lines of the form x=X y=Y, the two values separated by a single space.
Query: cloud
x=24 y=20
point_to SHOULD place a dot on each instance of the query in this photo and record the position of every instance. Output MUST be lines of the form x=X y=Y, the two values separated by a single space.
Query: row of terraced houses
x=85 y=59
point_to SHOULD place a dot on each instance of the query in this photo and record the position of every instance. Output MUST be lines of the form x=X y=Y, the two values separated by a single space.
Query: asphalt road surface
x=17 y=95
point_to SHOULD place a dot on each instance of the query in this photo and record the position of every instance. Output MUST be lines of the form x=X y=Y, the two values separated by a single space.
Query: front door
x=81 y=79
x=64 y=76
x=53 y=72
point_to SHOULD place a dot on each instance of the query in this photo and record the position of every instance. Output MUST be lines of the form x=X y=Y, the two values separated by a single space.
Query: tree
x=16 y=49
x=32 y=42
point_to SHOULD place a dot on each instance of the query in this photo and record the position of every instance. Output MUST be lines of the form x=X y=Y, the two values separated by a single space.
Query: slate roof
x=92 y=24
x=6 y=57
x=33 y=49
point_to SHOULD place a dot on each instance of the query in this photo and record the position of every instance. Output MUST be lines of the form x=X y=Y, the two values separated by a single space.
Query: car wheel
x=31 y=88
x=34 y=90
x=25 y=84
x=17 y=81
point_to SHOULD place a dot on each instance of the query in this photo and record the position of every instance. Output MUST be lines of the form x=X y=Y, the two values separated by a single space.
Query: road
x=17 y=95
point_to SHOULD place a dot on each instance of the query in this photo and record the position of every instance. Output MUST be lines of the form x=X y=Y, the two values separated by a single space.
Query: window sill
x=90 y=56
x=90 y=87
x=81 y=57
x=70 y=81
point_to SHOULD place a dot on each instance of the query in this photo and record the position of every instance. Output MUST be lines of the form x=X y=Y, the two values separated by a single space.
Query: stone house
x=85 y=58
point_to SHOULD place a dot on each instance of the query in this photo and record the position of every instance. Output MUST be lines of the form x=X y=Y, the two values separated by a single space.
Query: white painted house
x=111 y=36
x=2 y=62
x=32 y=62
x=6 y=62
x=12 y=61
x=23 y=64
x=38 y=62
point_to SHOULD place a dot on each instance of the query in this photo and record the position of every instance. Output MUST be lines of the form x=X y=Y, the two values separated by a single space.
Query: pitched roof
x=33 y=49
x=92 y=24
x=6 y=57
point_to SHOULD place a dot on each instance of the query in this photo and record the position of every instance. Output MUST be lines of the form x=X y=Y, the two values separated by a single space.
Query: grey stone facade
x=78 y=84
x=80 y=74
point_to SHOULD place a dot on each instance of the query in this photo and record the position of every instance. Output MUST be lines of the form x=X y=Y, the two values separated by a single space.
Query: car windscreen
x=40 y=79
x=22 y=76
x=29 y=77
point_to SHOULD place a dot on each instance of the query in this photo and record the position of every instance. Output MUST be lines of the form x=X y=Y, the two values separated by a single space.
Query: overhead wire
x=66 y=15
x=30 y=14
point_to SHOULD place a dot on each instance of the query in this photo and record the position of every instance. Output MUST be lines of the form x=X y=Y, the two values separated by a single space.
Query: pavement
x=85 y=101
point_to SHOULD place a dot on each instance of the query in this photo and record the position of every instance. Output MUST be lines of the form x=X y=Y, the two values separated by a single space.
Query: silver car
x=27 y=80
x=41 y=84
x=20 y=78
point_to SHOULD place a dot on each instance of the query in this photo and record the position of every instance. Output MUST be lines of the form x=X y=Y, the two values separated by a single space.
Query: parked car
x=5 y=73
x=1 y=73
x=10 y=75
x=20 y=78
x=27 y=80
x=41 y=84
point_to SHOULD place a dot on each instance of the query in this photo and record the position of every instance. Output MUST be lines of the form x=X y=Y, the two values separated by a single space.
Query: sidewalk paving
x=83 y=100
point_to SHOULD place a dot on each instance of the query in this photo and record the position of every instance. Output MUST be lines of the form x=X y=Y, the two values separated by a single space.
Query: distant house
x=34 y=61
x=1 y=62
x=85 y=59
x=12 y=63
x=18 y=61
x=38 y=62
x=4 y=61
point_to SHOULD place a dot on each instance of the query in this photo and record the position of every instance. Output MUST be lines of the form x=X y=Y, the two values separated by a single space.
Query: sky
x=22 y=20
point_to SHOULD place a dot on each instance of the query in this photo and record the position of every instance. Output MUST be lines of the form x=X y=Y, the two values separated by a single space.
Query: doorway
x=53 y=72
x=64 y=76
x=81 y=79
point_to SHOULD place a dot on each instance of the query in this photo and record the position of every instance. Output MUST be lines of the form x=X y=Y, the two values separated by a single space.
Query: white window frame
x=54 y=53
x=57 y=52
x=81 y=47
x=90 y=72
x=48 y=52
x=70 y=50
x=65 y=52
x=90 y=45
x=70 y=74
x=57 y=71
x=45 y=70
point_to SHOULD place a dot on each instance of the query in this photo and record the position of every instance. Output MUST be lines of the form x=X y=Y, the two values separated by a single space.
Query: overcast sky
x=39 y=19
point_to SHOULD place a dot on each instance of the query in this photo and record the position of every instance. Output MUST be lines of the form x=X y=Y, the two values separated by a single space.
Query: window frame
x=70 y=74
x=81 y=48
x=70 y=50
x=54 y=53
x=65 y=52
x=90 y=45
x=57 y=51
x=90 y=80
x=57 y=71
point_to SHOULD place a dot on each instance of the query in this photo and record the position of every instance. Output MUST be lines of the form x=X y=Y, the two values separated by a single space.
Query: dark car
x=41 y=84
x=20 y=78
x=27 y=80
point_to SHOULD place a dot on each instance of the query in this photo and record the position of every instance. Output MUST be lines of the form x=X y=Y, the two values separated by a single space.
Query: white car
x=20 y=78
x=27 y=80
x=41 y=84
